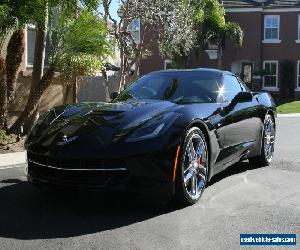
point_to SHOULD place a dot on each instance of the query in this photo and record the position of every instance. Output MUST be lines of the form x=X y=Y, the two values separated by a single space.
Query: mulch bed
x=12 y=144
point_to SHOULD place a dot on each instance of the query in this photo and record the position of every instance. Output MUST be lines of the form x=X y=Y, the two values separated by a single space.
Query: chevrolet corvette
x=168 y=132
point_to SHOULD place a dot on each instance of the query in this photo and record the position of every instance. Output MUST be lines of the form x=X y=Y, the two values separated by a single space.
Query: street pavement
x=242 y=199
x=6 y=160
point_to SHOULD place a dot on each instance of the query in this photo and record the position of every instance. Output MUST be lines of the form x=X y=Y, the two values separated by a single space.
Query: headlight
x=153 y=127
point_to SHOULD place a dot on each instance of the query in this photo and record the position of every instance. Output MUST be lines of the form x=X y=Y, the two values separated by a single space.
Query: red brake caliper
x=199 y=161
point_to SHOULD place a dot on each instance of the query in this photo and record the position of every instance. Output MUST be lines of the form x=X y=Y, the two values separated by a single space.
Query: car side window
x=243 y=85
x=231 y=87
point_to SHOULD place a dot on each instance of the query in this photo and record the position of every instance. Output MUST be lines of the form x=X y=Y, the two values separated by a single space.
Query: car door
x=239 y=127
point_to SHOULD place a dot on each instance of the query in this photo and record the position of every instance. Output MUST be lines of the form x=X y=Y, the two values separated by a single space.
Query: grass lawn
x=285 y=107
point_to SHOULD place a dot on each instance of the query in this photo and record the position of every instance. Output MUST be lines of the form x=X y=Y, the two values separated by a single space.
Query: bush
x=287 y=79
x=3 y=136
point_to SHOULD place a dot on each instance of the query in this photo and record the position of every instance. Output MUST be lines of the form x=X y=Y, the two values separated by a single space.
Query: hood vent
x=106 y=112
x=107 y=115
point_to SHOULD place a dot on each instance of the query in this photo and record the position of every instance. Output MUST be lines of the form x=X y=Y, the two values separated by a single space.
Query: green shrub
x=3 y=136
x=287 y=79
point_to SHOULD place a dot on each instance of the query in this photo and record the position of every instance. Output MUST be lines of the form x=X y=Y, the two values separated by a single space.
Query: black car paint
x=233 y=132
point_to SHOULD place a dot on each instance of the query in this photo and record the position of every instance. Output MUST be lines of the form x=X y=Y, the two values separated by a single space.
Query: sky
x=113 y=9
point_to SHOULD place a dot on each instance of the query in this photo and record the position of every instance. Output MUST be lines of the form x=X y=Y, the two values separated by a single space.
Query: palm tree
x=71 y=55
x=40 y=16
x=3 y=94
x=215 y=29
x=15 y=52
x=13 y=17
x=38 y=62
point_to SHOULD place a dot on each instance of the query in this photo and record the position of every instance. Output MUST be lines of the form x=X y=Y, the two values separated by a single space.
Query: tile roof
x=261 y=3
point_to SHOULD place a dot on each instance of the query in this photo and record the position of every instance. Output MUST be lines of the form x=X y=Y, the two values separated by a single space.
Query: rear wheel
x=268 y=143
x=192 y=168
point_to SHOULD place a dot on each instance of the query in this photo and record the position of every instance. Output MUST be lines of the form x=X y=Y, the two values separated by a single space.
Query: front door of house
x=247 y=73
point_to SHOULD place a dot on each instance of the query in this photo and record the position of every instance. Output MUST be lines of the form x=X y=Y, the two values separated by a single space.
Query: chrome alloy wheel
x=269 y=138
x=195 y=166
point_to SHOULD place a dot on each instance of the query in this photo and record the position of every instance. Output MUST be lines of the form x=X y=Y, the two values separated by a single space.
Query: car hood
x=100 y=121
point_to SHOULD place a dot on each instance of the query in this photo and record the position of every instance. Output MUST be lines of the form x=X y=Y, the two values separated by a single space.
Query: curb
x=10 y=159
x=292 y=115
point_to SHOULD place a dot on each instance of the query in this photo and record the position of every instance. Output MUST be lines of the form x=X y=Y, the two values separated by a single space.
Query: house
x=270 y=56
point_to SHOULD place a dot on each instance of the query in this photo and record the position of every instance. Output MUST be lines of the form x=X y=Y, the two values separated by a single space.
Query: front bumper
x=145 y=173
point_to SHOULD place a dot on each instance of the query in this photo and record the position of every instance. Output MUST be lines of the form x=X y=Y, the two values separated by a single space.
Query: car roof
x=216 y=71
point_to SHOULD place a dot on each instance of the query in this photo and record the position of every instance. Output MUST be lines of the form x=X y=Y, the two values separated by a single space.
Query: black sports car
x=170 y=131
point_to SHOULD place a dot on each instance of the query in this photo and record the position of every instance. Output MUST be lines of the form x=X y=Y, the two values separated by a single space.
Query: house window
x=30 y=46
x=271 y=74
x=272 y=23
x=298 y=75
x=135 y=29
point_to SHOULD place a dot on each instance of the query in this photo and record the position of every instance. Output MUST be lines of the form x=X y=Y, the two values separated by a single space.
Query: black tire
x=263 y=159
x=182 y=195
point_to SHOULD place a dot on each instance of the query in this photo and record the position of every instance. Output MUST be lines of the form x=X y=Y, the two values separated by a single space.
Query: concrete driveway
x=242 y=199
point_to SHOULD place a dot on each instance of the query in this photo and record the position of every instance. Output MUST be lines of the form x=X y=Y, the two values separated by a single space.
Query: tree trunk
x=133 y=77
x=220 y=58
x=122 y=70
x=3 y=95
x=38 y=64
x=34 y=101
x=39 y=54
x=105 y=78
x=105 y=85
x=15 y=52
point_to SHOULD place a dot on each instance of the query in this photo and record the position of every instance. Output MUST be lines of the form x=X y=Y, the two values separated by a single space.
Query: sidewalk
x=10 y=159
x=292 y=115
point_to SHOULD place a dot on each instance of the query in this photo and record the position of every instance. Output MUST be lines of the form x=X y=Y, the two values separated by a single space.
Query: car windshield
x=174 y=86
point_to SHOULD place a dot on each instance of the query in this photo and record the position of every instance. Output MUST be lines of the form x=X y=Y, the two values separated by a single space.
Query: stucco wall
x=91 y=88
x=53 y=96
x=86 y=89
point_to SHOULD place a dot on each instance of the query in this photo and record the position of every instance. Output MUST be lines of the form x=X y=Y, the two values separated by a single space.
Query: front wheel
x=268 y=143
x=192 y=169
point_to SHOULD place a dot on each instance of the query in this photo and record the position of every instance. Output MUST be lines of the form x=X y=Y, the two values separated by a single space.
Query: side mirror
x=114 y=95
x=243 y=97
